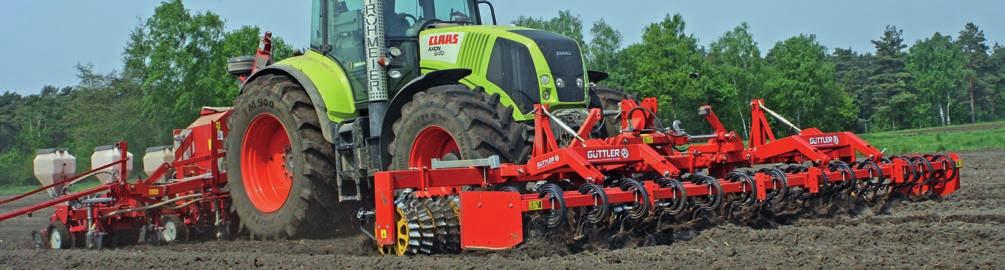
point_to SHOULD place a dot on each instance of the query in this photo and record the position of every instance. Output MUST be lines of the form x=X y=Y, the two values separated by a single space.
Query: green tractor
x=391 y=85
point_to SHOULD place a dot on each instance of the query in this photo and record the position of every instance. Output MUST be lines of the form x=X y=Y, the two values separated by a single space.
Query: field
x=981 y=136
x=963 y=231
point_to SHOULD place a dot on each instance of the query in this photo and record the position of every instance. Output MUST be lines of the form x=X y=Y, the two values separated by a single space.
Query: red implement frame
x=493 y=220
x=195 y=195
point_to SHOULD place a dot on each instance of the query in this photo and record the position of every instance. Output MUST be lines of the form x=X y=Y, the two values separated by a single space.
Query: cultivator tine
x=715 y=195
x=600 y=211
x=747 y=196
x=638 y=182
x=779 y=189
x=638 y=209
x=556 y=213
x=678 y=201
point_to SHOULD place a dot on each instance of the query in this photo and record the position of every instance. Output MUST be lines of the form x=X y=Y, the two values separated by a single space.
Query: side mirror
x=492 y=9
x=597 y=76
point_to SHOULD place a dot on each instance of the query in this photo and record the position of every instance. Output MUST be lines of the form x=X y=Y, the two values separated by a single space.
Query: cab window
x=406 y=17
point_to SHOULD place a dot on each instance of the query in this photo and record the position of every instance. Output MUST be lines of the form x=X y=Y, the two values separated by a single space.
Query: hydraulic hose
x=156 y=205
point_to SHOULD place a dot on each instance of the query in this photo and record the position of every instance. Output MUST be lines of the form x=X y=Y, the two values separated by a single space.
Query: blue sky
x=44 y=40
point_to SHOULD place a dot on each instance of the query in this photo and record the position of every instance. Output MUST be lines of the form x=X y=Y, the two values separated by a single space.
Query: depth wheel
x=59 y=236
x=174 y=229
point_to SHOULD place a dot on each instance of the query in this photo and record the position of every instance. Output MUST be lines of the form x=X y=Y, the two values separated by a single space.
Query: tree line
x=940 y=80
x=175 y=62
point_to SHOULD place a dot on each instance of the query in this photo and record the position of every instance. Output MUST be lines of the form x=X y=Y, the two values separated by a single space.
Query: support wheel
x=59 y=236
x=174 y=229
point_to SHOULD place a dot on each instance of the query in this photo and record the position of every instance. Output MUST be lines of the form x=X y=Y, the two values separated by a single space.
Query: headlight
x=560 y=83
x=394 y=74
x=579 y=82
x=545 y=80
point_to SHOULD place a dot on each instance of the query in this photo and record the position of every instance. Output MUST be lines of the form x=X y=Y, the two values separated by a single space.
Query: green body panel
x=475 y=53
x=331 y=81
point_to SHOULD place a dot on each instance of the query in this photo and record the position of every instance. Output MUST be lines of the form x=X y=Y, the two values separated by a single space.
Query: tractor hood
x=564 y=60
x=525 y=66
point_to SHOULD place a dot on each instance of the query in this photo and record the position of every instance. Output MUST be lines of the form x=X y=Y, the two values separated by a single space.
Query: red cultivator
x=640 y=177
x=148 y=210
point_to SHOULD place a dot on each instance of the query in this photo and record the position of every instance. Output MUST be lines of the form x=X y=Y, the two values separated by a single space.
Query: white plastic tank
x=53 y=165
x=155 y=157
x=104 y=155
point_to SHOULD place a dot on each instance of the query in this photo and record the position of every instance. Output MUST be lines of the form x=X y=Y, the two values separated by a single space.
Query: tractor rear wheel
x=279 y=164
x=453 y=122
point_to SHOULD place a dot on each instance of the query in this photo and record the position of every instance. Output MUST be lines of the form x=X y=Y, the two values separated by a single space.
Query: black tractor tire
x=311 y=210
x=609 y=100
x=478 y=122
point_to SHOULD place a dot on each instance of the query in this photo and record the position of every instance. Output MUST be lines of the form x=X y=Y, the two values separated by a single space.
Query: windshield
x=405 y=18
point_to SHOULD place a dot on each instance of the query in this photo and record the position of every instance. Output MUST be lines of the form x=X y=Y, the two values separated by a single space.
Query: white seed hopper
x=155 y=157
x=53 y=165
x=104 y=155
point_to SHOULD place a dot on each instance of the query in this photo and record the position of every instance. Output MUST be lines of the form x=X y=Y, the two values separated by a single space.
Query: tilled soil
x=963 y=231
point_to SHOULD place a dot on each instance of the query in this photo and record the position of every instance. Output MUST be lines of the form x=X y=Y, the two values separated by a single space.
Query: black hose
x=824 y=185
x=558 y=213
x=601 y=210
x=640 y=209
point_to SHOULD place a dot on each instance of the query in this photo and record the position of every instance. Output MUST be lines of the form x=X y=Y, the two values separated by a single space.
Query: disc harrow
x=641 y=180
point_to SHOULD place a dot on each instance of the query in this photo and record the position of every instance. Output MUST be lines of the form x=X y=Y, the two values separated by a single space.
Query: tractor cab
x=341 y=29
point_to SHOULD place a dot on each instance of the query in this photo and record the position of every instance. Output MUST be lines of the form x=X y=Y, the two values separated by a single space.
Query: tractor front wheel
x=454 y=122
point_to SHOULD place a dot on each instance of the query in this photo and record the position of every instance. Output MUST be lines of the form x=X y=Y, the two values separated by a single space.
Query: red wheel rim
x=264 y=155
x=432 y=142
